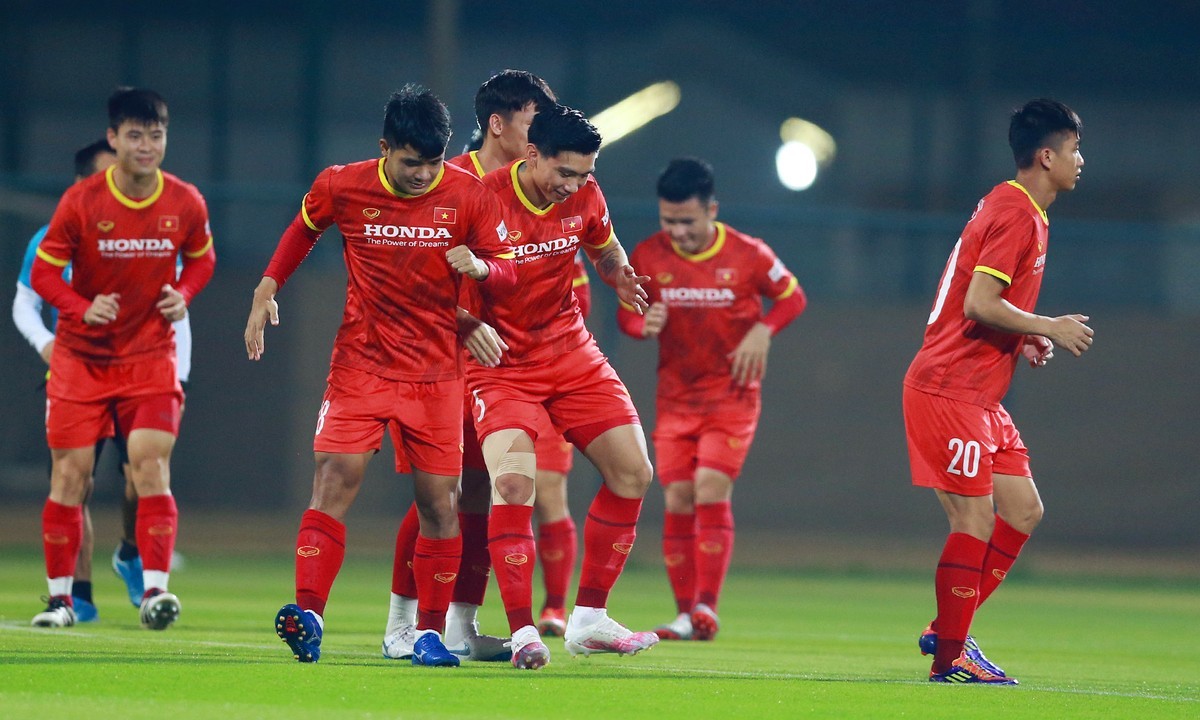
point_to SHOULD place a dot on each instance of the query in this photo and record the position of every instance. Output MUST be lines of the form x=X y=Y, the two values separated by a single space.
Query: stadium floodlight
x=636 y=110
x=806 y=149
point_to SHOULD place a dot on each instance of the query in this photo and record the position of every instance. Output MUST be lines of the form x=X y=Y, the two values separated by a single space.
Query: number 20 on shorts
x=966 y=457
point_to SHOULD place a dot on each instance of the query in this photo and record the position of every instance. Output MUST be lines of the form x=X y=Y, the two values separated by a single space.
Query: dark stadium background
x=916 y=94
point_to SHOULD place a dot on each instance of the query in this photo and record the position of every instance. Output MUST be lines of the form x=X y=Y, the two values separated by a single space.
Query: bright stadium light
x=806 y=149
x=636 y=110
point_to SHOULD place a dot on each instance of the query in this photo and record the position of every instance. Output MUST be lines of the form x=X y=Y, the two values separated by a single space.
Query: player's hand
x=262 y=309
x=104 y=309
x=1069 y=333
x=171 y=304
x=485 y=344
x=656 y=320
x=750 y=356
x=464 y=261
x=1037 y=350
x=47 y=352
x=630 y=291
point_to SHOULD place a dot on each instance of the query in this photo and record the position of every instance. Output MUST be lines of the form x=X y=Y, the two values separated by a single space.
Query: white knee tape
x=500 y=458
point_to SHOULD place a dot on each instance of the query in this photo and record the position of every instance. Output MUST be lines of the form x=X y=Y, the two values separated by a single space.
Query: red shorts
x=956 y=446
x=718 y=440
x=578 y=389
x=472 y=451
x=424 y=418
x=83 y=398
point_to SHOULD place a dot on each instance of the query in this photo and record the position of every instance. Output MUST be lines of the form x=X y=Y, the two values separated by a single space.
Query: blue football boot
x=301 y=630
x=85 y=611
x=130 y=571
x=928 y=644
x=428 y=650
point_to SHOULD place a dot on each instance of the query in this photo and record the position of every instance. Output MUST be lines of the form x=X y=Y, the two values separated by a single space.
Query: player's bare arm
x=613 y=265
x=749 y=358
x=104 y=309
x=984 y=304
x=480 y=339
x=262 y=309
x=171 y=304
x=464 y=261
x=656 y=320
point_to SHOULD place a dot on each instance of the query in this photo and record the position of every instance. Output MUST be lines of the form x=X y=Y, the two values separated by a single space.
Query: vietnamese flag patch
x=446 y=216
x=168 y=223
x=572 y=224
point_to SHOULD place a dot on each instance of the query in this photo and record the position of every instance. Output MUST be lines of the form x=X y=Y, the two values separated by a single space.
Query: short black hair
x=415 y=117
x=85 y=157
x=686 y=177
x=1036 y=125
x=139 y=105
x=558 y=128
x=509 y=91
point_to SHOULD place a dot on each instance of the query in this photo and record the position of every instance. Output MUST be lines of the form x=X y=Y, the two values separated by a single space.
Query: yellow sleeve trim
x=51 y=259
x=579 y=281
x=994 y=273
x=507 y=256
x=304 y=213
x=626 y=305
x=612 y=236
x=202 y=251
x=791 y=288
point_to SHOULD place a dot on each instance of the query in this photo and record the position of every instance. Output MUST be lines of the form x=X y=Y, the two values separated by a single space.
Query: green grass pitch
x=838 y=645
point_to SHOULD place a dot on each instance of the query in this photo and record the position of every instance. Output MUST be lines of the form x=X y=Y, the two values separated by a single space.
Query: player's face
x=558 y=177
x=139 y=147
x=407 y=171
x=689 y=223
x=513 y=133
x=1066 y=162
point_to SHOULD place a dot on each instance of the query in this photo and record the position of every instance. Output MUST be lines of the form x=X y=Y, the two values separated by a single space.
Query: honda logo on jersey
x=531 y=251
x=405 y=231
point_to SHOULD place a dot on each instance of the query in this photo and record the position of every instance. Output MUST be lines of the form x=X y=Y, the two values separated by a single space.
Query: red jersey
x=543 y=320
x=468 y=161
x=116 y=244
x=1006 y=237
x=401 y=294
x=713 y=298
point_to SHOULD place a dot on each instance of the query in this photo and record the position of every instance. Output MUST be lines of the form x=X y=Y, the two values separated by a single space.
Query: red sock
x=714 y=548
x=435 y=565
x=406 y=544
x=476 y=565
x=1003 y=549
x=679 y=555
x=320 y=549
x=608 y=535
x=510 y=542
x=62 y=531
x=157 y=523
x=556 y=549
x=957 y=586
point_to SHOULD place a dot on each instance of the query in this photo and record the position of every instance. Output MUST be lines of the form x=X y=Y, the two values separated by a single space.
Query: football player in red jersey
x=413 y=226
x=113 y=365
x=554 y=207
x=504 y=107
x=961 y=440
x=706 y=289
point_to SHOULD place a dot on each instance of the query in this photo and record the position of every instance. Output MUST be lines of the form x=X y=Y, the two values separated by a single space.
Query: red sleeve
x=489 y=242
x=631 y=323
x=1005 y=242
x=785 y=310
x=196 y=273
x=46 y=280
x=583 y=295
x=502 y=274
x=295 y=245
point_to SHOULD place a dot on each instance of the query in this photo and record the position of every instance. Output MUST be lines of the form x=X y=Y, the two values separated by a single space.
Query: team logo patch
x=516 y=558
x=572 y=224
x=514 y=235
x=709 y=547
x=999 y=574
x=447 y=216
x=168 y=223
x=963 y=592
x=161 y=530
x=105 y=225
x=371 y=213
x=445 y=578
x=55 y=539
x=307 y=551
x=733 y=442
x=673 y=560
x=664 y=278
x=623 y=548
x=727 y=276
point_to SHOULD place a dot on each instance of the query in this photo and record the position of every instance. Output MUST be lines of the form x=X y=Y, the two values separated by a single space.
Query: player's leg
x=157 y=521
x=619 y=453
x=436 y=558
x=81 y=588
x=1018 y=505
x=679 y=550
x=714 y=547
x=462 y=626
x=62 y=529
x=556 y=543
x=401 y=630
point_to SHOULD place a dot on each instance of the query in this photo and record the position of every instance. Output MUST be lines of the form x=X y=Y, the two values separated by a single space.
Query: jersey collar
x=387 y=185
x=1041 y=212
x=521 y=193
x=703 y=254
x=128 y=201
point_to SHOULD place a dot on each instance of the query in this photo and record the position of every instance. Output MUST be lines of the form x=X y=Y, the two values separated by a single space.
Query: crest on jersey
x=572 y=224
x=727 y=276
x=446 y=216
x=371 y=213
x=664 y=278
x=105 y=225
x=168 y=223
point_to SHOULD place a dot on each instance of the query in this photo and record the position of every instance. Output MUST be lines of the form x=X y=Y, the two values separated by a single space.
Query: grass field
x=791 y=645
